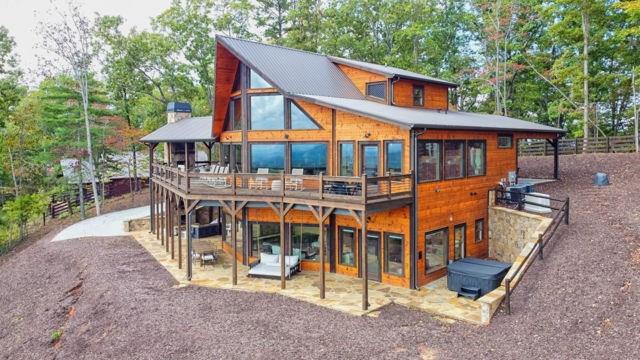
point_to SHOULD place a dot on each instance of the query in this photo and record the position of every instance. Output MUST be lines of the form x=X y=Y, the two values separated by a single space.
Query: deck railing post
x=233 y=182
x=507 y=287
x=282 y=184
x=321 y=185
x=389 y=183
x=363 y=180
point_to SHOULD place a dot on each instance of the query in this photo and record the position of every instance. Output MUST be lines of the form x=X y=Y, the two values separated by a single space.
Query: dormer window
x=257 y=82
x=418 y=95
x=377 y=90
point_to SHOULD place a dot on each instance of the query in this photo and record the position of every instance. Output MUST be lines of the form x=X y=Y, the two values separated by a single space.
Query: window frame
x=367 y=94
x=475 y=230
x=353 y=153
x=445 y=250
x=250 y=158
x=440 y=161
x=289 y=154
x=385 y=255
x=463 y=252
x=484 y=158
x=413 y=95
x=361 y=157
x=250 y=115
x=510 y=136
x=386 y=155
x=327 y=239
x=463 y=157
x=355 y=246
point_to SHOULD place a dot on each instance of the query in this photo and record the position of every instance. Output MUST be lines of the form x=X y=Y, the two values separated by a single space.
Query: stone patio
x=343 y=293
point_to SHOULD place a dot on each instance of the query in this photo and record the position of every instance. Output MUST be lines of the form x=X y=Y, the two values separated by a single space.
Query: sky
x=21 y=17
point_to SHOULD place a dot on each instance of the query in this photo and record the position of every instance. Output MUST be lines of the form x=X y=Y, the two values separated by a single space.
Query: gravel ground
x=112 y=300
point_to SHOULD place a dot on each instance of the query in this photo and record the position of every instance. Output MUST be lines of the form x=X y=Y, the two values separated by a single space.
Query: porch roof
x=185 y=130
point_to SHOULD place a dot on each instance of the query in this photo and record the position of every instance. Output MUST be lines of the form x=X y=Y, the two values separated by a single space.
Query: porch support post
x=167 y=221
x=151 y=199
x=363 y=263
x=283 y=284
x=186 y=157
x=556 y=151
x=189 y=244
x=173 y=225
x=234 y=245
x=163 y=210
x=156 y=212
x=321 y=231
x=180 y=235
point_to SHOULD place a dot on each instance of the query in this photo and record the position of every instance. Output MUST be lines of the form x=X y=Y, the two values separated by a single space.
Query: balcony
x=376 y=193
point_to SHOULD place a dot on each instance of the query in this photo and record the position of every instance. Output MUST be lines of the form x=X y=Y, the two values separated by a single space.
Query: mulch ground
x=112 y=300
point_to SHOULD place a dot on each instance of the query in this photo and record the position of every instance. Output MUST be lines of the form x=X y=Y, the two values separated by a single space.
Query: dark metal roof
x=179 y=107
x=293 y=71
x=190 y=129
x=431 y=119
x=390 y=71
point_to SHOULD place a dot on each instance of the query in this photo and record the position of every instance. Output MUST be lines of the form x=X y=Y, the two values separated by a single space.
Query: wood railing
x=338 y=188
x=561 y=208
x=608 y=144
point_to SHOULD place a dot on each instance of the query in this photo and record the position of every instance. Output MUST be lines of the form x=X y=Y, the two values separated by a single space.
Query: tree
x=23 y=208
x=272 y=16
x=71 y=41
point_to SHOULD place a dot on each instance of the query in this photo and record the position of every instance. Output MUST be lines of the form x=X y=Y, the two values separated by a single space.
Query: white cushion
x=268 y=259
x=291 y=260
x=268 y=270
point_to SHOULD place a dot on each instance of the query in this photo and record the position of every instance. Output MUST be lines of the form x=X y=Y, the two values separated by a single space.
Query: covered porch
x=343 y=293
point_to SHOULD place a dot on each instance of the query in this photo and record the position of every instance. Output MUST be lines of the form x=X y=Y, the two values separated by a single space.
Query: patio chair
x=294 y=182
x=260 y=182
x=218 y=181
x=207 y=258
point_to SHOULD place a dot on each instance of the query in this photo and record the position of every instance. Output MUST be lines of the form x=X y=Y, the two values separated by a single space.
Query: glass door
x=373 y=256
x=369 y=159
x=459 y=240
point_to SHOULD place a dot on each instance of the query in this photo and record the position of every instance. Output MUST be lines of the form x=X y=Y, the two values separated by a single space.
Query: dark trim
x=244 y=118
x=339 y=157
x=446 y=249
x=413 y=223
x=371 y=275
x=332 y=243
x=334 y=150
x=413 y=98
x=385 y=155
x=504 y=135
x=385 y=253
x=354 y=248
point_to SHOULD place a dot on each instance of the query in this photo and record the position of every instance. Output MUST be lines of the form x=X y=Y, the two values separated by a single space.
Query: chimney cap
x=179 y=107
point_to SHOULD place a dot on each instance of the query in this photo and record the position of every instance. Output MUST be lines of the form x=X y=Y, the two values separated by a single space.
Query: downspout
x=394 y=79
x=414 y=210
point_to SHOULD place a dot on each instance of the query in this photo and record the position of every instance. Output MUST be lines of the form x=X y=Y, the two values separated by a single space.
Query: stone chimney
x=177 y=111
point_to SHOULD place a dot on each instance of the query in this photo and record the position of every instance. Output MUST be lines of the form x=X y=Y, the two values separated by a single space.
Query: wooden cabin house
x=319 y=153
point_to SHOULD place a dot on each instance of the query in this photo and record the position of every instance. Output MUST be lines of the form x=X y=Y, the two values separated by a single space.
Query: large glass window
x=377 y=90
x=265 y=238
x=300 y=120
x=236 y=162
x=270 y=156
x=418 y=95
x=236 y=105
x=305 y=242
x=347 y=246
x=436 y=249
x=476 y=158
x=267 y=112
x=346 y=159
x=453 y=159
x=311 y=157
x=459 y=241
x=393 y=157
x=257 y=82
x=479 y=233
x=370 y=158
x=429 y=160
x=394 y=254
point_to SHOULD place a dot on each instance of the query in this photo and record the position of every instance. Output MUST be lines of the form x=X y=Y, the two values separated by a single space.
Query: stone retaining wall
x=137 y=225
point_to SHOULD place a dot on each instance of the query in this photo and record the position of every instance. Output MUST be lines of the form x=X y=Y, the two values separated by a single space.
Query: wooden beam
x=363 y=257
x=327 y=213
x=234 y=241
x=193 y=205
x=288 y=208
x=180 y=234
x=189 y=247
x=322 y=278
x=355 y=216
x=315 y=212
x=283 y=284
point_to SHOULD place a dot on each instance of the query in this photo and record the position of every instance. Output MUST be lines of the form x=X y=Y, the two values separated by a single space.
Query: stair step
x=469 y=292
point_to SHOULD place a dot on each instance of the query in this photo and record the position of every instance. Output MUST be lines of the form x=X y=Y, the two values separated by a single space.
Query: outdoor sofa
x=269 y=266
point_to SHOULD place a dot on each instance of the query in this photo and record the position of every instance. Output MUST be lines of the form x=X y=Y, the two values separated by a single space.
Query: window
x=265 y=238
x=267 y=112
x=394 y=254
x=300 y=119
x=429 y=160
x=459 y=241
x=236 y=81
x=393 y=157
x=347 y=246
x=476 y=158
x=377 y=90
x=346 y=159
x=312 y=157
x=305 y=242
x=479 y=230
x=234 y=114
x=453 y=159
x=505 y=141
x=370 y=159
x=418 y=95
x=257 y=82
x=269 y=156
x=436 y=249
x=236 y=161
x=225 y=159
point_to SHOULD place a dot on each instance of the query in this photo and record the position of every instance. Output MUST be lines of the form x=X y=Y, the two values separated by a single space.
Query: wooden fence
x=610 y=144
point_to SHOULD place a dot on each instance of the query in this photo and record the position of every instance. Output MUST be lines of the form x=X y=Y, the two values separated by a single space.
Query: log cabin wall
x=436 y=96
x=360 y=77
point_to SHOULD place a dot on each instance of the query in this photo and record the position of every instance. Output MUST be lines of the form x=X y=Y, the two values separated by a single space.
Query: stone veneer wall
x=510 y=230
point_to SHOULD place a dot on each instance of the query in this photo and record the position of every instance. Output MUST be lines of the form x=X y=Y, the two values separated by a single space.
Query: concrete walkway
x=110 y=224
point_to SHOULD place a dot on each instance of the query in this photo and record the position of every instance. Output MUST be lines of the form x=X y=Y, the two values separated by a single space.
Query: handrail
x=358 y=189
x=543 y=239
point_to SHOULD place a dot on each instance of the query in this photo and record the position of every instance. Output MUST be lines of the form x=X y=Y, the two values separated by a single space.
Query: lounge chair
x=294 y=182
x=260 y=182
x=218 y=181
x=269 y=266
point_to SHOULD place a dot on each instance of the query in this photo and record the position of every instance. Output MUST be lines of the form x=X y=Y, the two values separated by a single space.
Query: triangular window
x=257 y=82
x=300 y=119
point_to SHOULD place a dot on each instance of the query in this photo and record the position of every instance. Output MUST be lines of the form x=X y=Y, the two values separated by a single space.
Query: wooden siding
x=360 y=77
x=226 y=67
x=436 y=96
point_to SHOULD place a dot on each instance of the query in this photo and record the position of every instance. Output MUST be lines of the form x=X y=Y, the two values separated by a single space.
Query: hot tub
x=472 y=278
